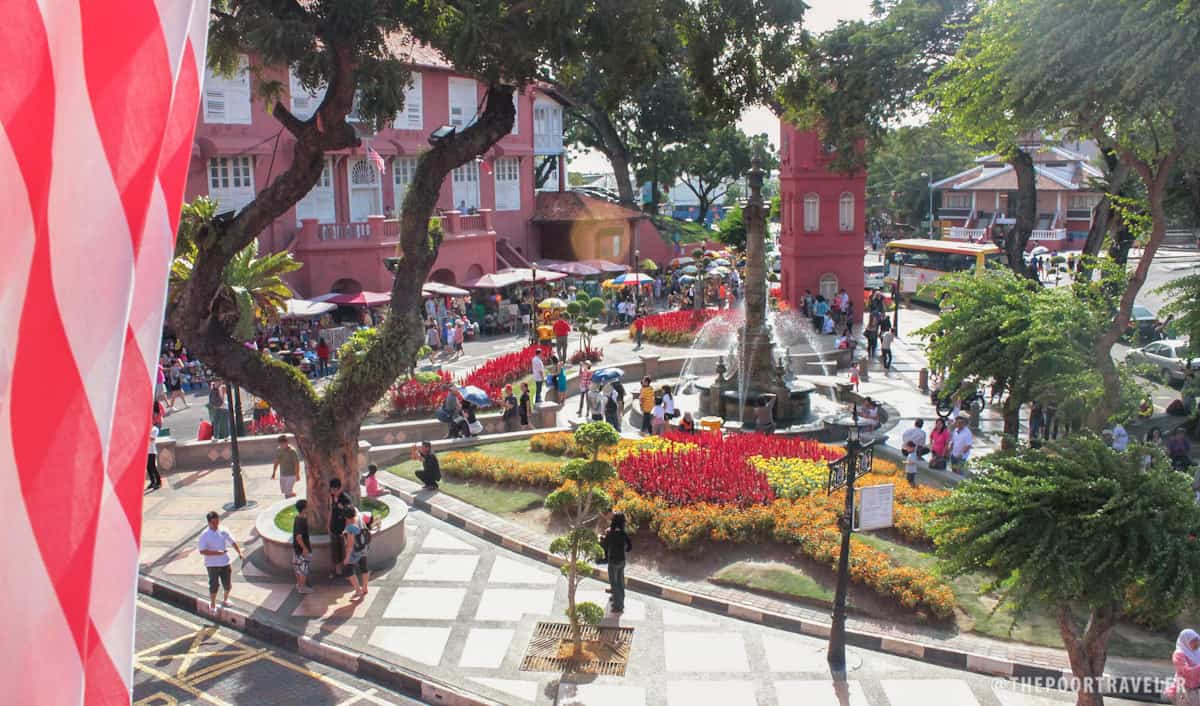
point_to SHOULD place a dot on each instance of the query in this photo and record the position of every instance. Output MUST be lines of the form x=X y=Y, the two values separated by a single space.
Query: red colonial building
x=823 y=220
x=493 y=210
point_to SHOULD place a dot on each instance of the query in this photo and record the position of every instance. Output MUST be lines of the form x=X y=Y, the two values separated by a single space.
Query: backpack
x=362 y=540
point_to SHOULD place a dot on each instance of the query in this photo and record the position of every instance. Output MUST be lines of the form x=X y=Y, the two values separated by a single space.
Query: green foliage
x=896 y=191
x=708 y=159
x=587 y=613
x=584 y=314
x=1183 y=302
x=594 y=437
x=732 y=228
x=1075 y=523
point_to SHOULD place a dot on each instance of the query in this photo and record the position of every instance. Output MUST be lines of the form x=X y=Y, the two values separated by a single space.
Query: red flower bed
x=492 y=376
x=592 y=355
x=680 y=327
x=711 y=468
x=412 y=396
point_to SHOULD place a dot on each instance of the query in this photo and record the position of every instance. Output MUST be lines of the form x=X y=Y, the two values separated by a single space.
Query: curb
x=390 y=676
x=1012 y=670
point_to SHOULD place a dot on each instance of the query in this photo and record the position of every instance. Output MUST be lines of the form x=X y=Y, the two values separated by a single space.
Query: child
x=854 y=378
x=372 y=483
x=910 y=463
x=658 y=418
x=687 y=425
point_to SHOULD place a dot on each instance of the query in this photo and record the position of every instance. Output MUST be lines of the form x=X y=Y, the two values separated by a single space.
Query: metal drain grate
x=542 y=654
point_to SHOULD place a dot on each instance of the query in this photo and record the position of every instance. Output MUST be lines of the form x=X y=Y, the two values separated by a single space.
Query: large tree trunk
x=1012 y=421
x=1103 y=213
x=323 y=463
x=1018 y=237
x=1155 y=182
x=705 y=203
x=617 y=153
x=1088 y=652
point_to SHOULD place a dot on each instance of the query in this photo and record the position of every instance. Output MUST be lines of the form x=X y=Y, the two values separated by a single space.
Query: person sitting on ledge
x=764 y=420
x=687 y=425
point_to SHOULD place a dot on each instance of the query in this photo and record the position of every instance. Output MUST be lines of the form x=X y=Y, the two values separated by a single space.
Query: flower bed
x=592 y=355
x=492 y=376
x=419 y=394
x=678 y=328
x=473 y=465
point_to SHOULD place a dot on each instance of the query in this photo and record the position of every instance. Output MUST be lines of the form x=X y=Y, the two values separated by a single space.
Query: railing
x=548 y=143
x=358 y=230
x=957 y=233
x=954 y=213
x=1052 y=234
x=391 y=228
x=471 y=223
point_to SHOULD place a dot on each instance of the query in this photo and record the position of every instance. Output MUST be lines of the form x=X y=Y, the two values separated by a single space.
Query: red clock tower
x=823 y=214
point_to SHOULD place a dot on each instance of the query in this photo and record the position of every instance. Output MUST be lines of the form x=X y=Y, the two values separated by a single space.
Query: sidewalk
x=460 y=610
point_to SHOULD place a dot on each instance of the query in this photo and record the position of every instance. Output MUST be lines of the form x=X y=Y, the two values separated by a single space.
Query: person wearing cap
x=961 y=440
x=214 y=544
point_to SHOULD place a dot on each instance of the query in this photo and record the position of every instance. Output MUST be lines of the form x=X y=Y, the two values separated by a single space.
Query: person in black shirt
x=616 y=544
x=301 y=548
x=523 y=405
x=510 y=409
x=431 y=471
x=337 y=523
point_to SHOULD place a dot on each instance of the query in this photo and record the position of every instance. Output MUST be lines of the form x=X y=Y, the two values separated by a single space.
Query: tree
x=344 y=46
x=252 y=290
x=1114 y=76
x=585 y=313
x=732 y=228
x=580 y=500
x=708 y=161
x=896 y=191
x=1000 y=326
x=1076 y=526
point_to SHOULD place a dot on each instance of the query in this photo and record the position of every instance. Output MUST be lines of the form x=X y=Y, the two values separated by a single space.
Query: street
x=180 y=660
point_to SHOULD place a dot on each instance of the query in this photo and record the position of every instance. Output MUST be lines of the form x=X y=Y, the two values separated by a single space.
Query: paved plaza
x=462 y=609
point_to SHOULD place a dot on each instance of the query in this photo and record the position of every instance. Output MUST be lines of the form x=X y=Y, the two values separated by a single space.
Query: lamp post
x=898 y=256
x=843 y=472
x=929 y=184
x=235 y=412
x=637 y=285
x=533 y=308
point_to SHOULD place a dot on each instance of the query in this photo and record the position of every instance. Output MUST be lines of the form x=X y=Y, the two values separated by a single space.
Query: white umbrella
x=304 y=308
x=437 y=289
x=1039 y=250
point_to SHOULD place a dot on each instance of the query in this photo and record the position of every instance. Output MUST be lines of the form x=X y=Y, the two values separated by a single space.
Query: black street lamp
x=533 y=307
x=235 y=412
x=637 y=284
x=899 y=259
x=843 y=472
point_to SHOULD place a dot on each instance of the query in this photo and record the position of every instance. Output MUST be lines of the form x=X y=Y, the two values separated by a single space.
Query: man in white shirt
x=915 y=434
x=539 y=375
x=961 y=440
x=214 y=544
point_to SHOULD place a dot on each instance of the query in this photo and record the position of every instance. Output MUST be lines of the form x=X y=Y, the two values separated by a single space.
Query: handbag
x=476 y=427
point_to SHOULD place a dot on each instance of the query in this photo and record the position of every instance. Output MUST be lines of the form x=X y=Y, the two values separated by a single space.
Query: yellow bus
x=917 y=263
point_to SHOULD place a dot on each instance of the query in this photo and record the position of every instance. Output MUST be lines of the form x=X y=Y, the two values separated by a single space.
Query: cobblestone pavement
x=181 y=660
x=462 y=610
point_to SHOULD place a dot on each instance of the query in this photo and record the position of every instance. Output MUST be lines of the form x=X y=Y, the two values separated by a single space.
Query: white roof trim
x=984 y=177
x=1055 y=178
x=943 y=182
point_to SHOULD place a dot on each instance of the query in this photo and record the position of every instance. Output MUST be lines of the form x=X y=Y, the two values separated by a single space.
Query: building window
x=508 y=184
x=411 y=117
x=846 y=212
x=812 y=213
x=403 y=169
x=956 y=200
x=366 y=193
x=828 y=286
x=231 y=181
x=227 y=98
x=464 y=101
x=547 y=128
x=318 y=202
x=1083 y=202
x=304 y=102
x=465 y=181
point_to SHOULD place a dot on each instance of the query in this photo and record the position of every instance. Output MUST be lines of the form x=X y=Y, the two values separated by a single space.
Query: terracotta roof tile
x=571 y=206
x=409 y=49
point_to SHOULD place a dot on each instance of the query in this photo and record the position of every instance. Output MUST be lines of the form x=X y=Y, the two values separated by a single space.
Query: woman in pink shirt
x=939 y=438
x=372 y=483
x=1186 y=689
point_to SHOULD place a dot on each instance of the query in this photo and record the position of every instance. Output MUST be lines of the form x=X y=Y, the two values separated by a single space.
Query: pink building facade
x=823 y=216
x=346 y=225
x=980 y=202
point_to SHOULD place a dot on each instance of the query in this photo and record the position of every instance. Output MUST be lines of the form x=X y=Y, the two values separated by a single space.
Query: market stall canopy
x=437 y=289
x=678 y=261
x=578 y=269
x=686 y=279
x=690 y=270
x=495 y=280
x=552 y=303
x=367 y=299
x=529 y=276
x=606 y=266
x=305 y=309
x=626 y=280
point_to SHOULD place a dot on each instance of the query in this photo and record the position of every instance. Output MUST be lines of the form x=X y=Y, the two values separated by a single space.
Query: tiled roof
x=571 y=206
x=409 y=49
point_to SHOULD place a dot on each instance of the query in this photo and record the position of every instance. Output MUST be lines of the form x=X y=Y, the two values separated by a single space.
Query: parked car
x=1170 y=356
x=873 y=276
x=1143 y=324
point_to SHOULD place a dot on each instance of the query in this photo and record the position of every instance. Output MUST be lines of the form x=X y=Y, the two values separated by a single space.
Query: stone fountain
x=732 y=393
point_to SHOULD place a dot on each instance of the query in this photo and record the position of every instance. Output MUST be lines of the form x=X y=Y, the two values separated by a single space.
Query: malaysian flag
x=375 y=159
x=96 y=117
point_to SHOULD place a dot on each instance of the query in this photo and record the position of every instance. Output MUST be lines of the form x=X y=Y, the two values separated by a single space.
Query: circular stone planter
x=387 y=541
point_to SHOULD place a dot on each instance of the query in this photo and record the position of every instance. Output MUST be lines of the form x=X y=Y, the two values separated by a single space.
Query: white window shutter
x=411 y=118
x=304 y=104
x=214 y=101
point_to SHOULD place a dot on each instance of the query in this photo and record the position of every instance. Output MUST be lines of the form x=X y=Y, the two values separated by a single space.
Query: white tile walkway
x=486 y=648
x=705 y=652
x=452 y=568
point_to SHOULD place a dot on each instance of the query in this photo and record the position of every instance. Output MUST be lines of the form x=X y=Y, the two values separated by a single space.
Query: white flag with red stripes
x=97 y=110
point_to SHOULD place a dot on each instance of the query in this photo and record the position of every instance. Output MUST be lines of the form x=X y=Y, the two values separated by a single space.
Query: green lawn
x=776 y=579
x=495 y=498
x=689 y=231
x=517 y=450
x=287 y=516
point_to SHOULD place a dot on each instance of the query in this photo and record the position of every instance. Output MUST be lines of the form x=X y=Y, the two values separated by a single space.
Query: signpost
x=875 y=506
x=842 y=473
